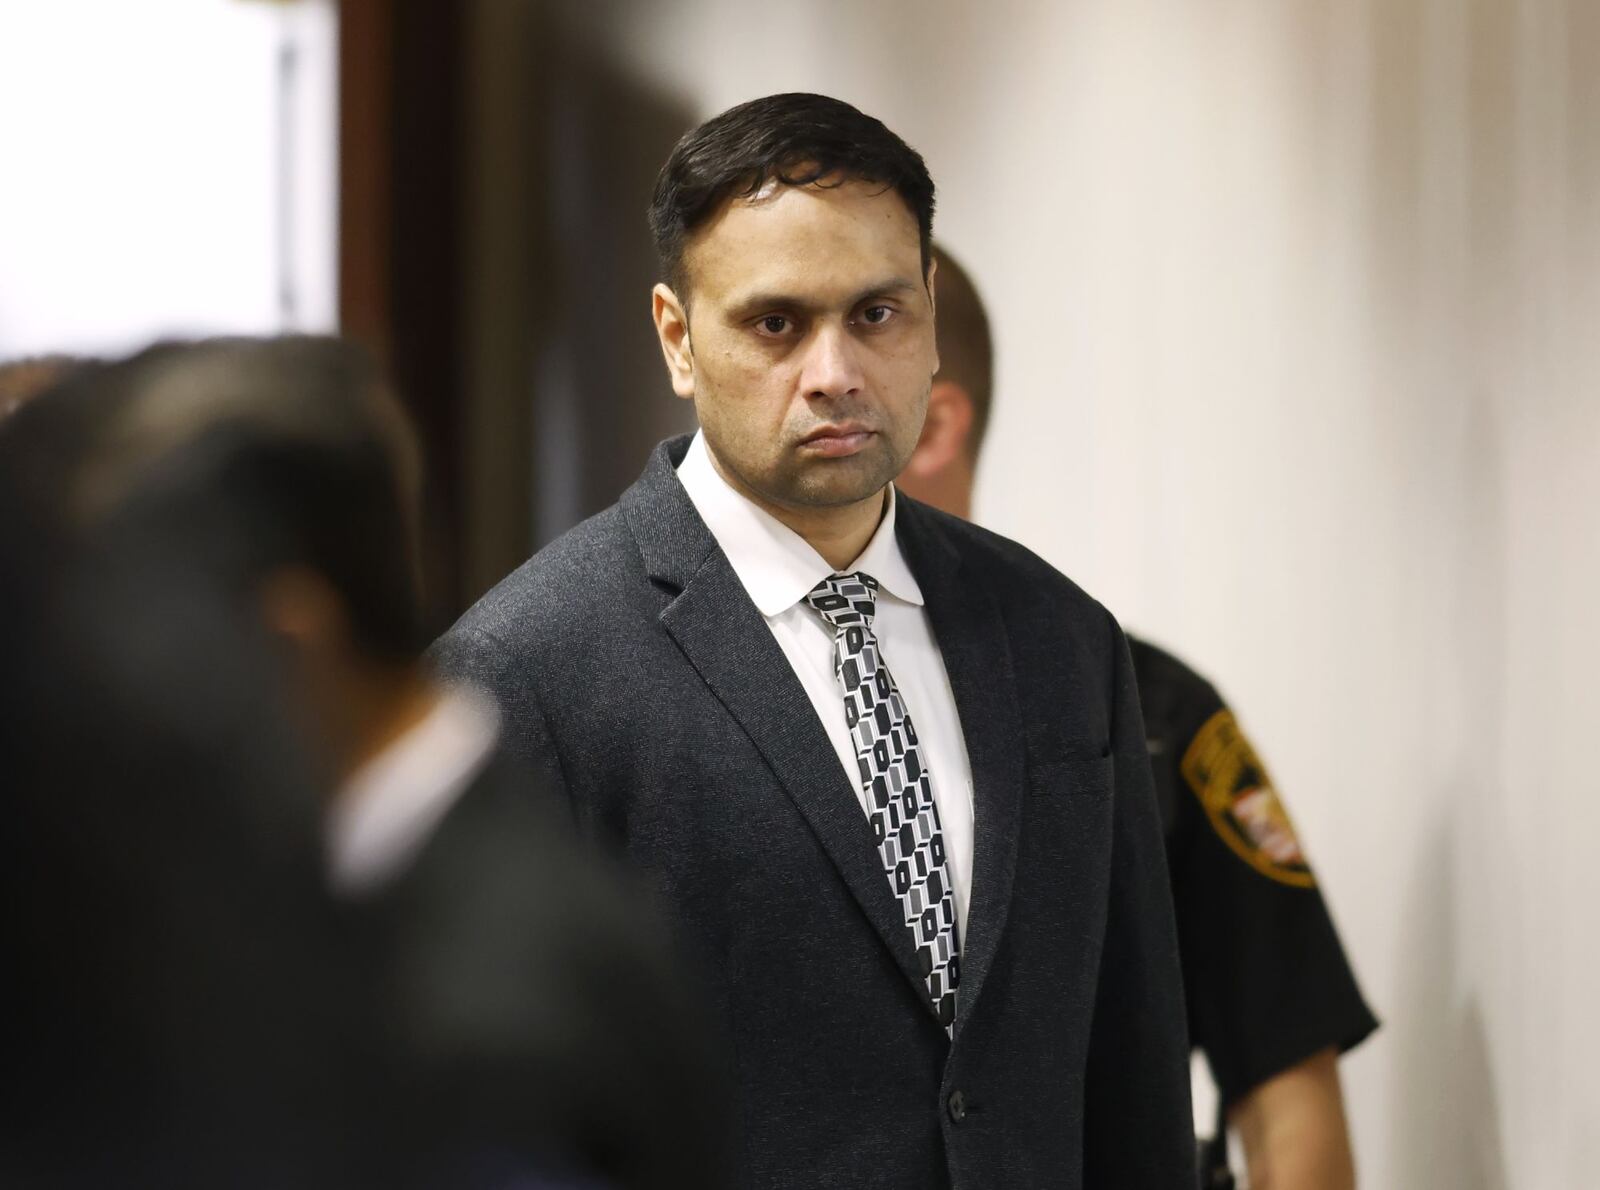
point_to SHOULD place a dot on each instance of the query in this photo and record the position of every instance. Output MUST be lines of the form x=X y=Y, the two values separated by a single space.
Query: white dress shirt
x=386 y=811
x=778 y=569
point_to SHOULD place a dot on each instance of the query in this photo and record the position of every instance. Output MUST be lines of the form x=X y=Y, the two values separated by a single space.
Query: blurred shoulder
x=1177 y=699
x=1158 y=668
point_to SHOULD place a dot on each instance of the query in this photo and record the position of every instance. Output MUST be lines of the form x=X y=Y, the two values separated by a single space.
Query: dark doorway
x=495 y=169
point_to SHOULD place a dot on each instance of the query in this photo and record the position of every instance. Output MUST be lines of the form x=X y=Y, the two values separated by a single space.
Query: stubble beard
x=840 y=483
x=810 y=485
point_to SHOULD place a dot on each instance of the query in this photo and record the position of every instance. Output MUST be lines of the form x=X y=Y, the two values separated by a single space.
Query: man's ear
x=944 y=432
x=672 y=328
x=932 y=282
x=301 y=607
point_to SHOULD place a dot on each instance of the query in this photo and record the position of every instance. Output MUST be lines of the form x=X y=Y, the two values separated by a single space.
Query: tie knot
x=846 y=600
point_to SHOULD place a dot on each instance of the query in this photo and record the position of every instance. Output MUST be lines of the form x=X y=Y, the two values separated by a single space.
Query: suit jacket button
x=958 y=1106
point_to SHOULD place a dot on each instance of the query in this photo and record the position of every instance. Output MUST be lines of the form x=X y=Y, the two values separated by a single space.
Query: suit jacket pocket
x=1072 y=776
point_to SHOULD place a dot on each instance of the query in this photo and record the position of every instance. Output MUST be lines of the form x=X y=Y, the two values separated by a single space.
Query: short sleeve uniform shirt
x=1267 y=981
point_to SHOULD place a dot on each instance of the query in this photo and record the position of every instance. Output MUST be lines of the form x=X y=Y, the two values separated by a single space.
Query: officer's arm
x=1293 y=1129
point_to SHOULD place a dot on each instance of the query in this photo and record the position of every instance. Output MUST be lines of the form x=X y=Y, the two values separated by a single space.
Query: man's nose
x=832 y=367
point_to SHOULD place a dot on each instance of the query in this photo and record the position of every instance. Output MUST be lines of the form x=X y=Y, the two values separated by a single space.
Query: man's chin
x=839 y=483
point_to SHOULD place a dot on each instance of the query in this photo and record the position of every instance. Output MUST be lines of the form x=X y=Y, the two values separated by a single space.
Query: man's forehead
x=816 y=237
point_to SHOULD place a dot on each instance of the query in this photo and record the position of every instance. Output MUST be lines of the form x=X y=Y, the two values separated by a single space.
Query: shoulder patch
x=1233 y=787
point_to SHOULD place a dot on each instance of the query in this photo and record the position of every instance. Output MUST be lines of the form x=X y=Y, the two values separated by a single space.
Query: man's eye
x=877 y=315
x=774 y=324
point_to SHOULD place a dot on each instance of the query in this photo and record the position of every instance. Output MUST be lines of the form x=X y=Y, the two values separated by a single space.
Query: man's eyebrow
x=775 y=300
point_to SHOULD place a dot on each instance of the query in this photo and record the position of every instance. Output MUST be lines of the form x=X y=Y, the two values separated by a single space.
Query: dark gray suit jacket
x=630 y=661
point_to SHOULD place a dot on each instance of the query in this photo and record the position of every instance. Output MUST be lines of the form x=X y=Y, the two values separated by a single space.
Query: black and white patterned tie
x=905 y=822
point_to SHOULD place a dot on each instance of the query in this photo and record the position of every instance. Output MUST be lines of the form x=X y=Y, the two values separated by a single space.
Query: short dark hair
x=265 y=453
x=797 y=139
x=966 y=350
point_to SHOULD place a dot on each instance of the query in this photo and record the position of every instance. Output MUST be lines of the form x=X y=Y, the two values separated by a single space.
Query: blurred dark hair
x=966 y=349
x=272 y=453
x=23 y=379
x=797 y=139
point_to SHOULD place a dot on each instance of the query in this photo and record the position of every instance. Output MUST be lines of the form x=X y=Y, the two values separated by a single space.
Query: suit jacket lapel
x=972 y=639
x=729 y=645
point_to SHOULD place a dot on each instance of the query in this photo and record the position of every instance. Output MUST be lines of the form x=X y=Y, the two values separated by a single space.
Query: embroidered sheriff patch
x=1225 y=773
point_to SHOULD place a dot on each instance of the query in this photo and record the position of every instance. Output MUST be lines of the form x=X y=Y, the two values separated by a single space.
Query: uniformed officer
x=1272 y=1001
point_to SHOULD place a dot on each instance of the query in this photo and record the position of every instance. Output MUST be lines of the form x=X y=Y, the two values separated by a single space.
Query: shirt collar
x=774 y=563
x=387 y=810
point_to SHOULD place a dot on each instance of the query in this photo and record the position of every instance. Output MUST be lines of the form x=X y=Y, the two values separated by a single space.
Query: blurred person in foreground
x=1272 y=1001
x=179 y=1007
x=826 y=721
x=528 y=1024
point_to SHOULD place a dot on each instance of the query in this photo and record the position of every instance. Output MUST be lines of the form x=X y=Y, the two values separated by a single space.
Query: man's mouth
x=836 y=441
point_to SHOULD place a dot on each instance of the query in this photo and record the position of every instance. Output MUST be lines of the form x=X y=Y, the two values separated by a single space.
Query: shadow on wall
x=1447 y=1106
x=1447 y=1103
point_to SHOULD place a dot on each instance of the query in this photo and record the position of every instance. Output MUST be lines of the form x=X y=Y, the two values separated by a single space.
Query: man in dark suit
x=887 y=769
x=513 y=983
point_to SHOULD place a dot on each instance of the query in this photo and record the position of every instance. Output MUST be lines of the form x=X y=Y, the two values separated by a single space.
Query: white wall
x=159 y=175
x=1296 y=308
